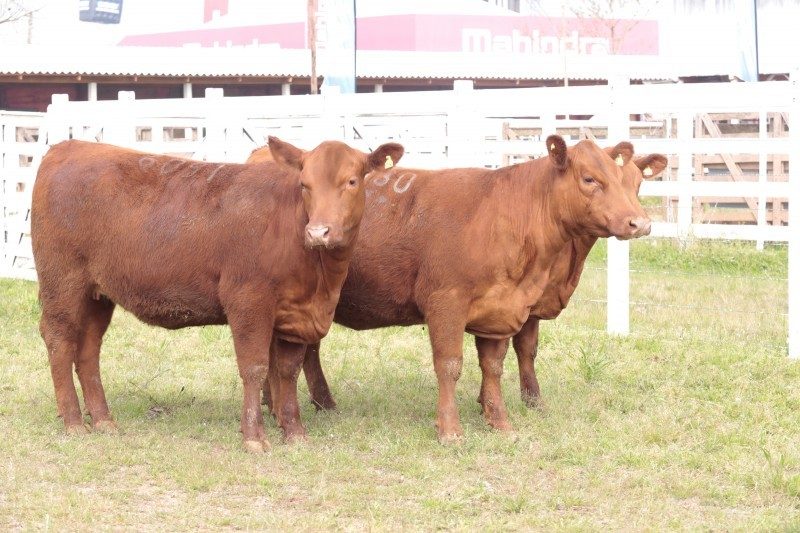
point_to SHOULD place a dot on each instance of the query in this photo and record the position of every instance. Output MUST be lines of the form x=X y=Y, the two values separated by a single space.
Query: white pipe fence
x=463 y=127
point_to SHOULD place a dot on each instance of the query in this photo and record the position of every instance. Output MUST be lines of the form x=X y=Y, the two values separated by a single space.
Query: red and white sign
x=441 y=33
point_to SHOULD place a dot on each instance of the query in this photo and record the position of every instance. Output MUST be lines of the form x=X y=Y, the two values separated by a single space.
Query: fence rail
x=467 y=127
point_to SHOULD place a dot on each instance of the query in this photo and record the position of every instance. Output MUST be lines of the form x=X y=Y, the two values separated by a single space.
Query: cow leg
x=491 y=353
x=60 y=329
x=87 y=365
x=317 y=384
x=251 y=342
x=526 y=344
x=447 y=338
x=286 y=362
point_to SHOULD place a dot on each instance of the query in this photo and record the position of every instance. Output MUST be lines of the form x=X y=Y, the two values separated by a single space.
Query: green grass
x=691 y=422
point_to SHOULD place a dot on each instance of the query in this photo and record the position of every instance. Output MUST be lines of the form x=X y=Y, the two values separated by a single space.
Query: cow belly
x=362 y=313
x=169 y=308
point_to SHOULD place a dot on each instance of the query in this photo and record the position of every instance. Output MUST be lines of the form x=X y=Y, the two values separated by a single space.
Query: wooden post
x=618 y=267
x=794 y=218
x=312 y=42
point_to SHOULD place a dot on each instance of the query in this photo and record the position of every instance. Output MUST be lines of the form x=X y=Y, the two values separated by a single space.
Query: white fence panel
x=462 y=127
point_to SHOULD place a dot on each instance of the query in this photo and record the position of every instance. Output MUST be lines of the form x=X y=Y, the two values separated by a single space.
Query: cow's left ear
x=557 y=150
x=384 y=156
x=285 y=153
x=622 y=153
x=651 y=165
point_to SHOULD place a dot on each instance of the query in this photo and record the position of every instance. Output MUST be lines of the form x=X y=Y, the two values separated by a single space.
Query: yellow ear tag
x=553 y=146
x=619 y=160
x=389 y=163
x=647 y=171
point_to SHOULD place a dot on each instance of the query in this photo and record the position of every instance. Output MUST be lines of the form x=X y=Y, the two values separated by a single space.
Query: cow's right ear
x=385 y=156
x=285 y=153
x=557 y=150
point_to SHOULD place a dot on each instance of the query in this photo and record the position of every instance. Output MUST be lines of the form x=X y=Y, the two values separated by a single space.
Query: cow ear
x=557 y=149
x=285 y=153
x=622 y=153
x=385 y=156
x=651 y=165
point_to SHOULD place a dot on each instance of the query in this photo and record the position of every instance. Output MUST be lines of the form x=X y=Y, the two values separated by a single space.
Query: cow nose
x=640 y=226
x=318 y=235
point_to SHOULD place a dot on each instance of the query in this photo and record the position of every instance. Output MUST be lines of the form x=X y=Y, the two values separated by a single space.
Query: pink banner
x=443 y=33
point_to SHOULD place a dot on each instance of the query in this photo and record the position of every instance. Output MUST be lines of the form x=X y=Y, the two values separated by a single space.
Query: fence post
x=4 y=247
x=56 y=124
x=794 y=218
x=685 y=166
x=333 y=119
x=123 y=128
x=761 y=218
x=460 y=126
x=215 y=125
x=618 y=267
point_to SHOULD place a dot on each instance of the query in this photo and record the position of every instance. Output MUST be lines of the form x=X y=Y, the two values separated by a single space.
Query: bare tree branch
x=14 y=10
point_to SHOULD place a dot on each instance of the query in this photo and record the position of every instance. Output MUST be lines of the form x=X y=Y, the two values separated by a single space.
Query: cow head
x=591 y=192
x=636 y=171
x=332 y=184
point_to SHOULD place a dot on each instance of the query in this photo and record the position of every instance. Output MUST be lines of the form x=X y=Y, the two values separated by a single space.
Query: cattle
x=471 y=250
x=178 y=243
x=564 y=277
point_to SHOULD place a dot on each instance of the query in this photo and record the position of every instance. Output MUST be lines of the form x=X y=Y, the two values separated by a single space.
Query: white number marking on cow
x=214 y=173
x=146 y=163
x=382 y=180
x=402 y=182
x=410 y=177
x=171 y=165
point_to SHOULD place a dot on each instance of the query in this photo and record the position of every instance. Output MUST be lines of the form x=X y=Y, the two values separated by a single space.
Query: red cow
x=179 y=243
x=471 y=250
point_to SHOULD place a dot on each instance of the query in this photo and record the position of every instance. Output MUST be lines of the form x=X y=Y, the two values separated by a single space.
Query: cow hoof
x=326 y=404
x=451 y=439
x=503 y=426
x=257 y=446
x=534 y=402
x=109 y=427
x=297 y=436
x=77 y=429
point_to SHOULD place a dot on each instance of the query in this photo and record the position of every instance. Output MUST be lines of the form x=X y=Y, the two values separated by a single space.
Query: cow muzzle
x=318 y=236
x=634 y=227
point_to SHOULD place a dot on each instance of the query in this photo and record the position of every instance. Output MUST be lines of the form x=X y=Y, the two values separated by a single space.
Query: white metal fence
x=463 y=127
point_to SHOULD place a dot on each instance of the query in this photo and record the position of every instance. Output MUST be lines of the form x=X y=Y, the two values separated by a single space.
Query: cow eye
x=588 y=180
x=303 y=187
x=353 y=182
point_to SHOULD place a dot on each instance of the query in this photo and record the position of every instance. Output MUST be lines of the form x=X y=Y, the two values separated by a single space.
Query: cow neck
x=545 y=232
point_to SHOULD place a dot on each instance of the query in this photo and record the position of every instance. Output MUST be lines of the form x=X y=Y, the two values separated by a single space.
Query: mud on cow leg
x=447 y=337
x=286 y=362
x=491 y=354
x=87 y=365
x=61 y=329
x=526 y=345
x=251 y=343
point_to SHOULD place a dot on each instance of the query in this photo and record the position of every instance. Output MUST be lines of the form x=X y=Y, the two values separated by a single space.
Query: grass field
x=691 y=422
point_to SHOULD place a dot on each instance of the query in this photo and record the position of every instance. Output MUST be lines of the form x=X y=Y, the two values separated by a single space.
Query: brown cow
x=564 y=277
x=471 y=250
x=563 y=280
x=181 y=243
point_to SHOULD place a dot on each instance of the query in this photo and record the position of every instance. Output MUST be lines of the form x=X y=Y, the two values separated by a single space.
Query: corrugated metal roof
x=276 y=62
